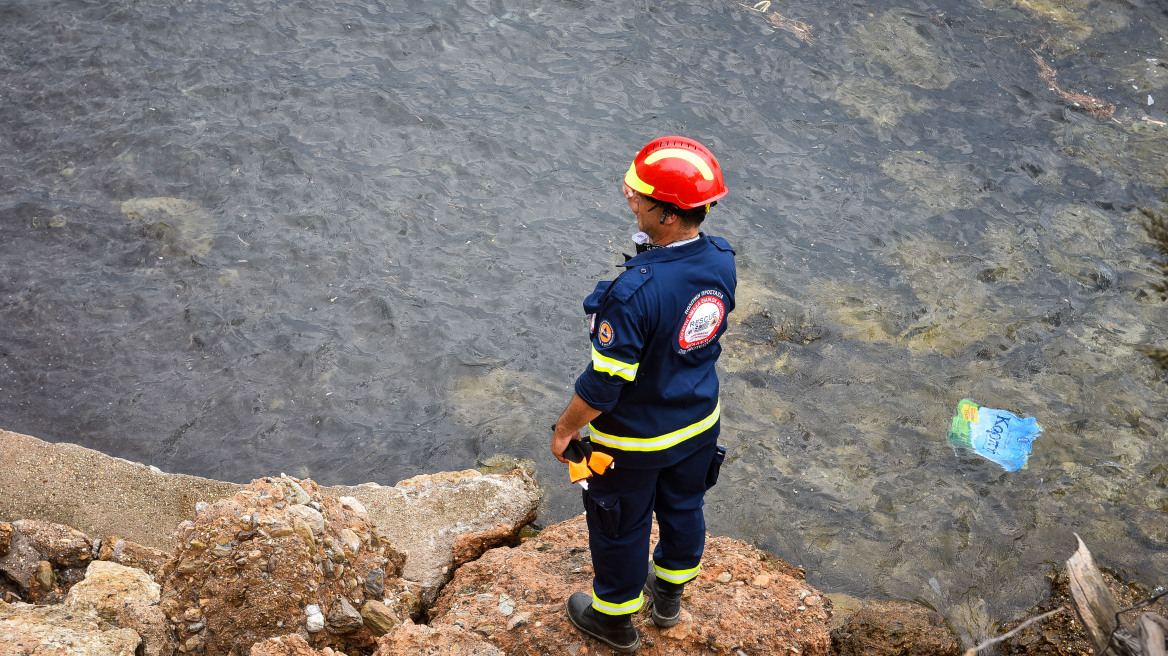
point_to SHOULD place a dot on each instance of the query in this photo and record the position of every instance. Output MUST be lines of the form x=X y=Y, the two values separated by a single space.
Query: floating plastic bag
x=994 y=434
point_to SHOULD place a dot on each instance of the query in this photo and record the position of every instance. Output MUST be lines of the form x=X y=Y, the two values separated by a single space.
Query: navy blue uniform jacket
x=655 y=332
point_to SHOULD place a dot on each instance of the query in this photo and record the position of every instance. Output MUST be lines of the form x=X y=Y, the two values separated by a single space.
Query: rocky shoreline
x=103 y=556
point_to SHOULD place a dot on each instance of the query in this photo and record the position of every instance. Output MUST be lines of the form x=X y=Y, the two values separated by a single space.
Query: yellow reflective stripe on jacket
x=676 y=575
x=660 y=442
x=615 y=367
x=617 y=609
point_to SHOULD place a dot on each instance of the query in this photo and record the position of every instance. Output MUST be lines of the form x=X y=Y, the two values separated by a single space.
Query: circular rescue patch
x=703 y=317
x=605 y=334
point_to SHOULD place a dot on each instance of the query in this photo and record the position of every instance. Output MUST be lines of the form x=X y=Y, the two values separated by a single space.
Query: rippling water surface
x=349 y=241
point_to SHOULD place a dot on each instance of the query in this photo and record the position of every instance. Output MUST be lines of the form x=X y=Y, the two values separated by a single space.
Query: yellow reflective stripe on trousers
x=676 y=575
x=613 y=367
x=617 y=609
x=660 y=442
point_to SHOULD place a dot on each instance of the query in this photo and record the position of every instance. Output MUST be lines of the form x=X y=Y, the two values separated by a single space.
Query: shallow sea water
x=349 y=241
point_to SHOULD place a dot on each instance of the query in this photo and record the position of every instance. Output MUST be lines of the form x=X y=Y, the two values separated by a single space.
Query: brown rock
x=538 y=578
x=245 y=597
x=44 y=575
x=59 y=544
x=379 y=618
x=895 y=628
x=132 y=554
x=20 y=562
x=5 y=538
x=470 y=546
x=422 y=640
x=342 y=617
x=287 y=645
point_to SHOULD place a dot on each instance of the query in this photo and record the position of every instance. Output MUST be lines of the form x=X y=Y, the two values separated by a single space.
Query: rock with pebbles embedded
x=250 y=567
x=151 y=625
x=61 y=545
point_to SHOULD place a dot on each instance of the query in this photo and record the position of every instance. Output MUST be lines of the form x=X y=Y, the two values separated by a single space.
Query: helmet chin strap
x=656 y=204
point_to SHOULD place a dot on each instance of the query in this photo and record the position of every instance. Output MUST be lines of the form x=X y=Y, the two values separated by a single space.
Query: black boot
x=616 y=631
x=666 y=598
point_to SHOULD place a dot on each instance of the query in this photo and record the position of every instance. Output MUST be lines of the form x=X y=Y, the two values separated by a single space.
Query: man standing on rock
x=650 y=395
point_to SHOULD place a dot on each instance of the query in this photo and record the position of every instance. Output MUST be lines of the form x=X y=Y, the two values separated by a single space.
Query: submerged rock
x=881 y=104
x=936 y=185
x=904 y=42
x=184 y=227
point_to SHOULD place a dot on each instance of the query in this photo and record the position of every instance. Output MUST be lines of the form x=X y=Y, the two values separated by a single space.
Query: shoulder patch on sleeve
x=605 y=334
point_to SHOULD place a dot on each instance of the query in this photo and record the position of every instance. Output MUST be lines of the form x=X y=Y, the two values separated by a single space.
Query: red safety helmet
x=677 y=170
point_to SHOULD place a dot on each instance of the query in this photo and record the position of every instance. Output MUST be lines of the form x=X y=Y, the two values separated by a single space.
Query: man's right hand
x=575 y=416
x=560 y=440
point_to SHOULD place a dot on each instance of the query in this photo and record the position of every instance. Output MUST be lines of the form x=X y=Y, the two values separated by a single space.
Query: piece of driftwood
x=1093 y=601
x=1153 y=633
x=1097 y=611
x=1102 y=619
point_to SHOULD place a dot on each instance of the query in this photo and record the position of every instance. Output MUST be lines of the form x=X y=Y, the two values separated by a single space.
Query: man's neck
x=675 y=237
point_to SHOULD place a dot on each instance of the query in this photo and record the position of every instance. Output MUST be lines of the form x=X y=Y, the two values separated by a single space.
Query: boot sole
x=624 y=649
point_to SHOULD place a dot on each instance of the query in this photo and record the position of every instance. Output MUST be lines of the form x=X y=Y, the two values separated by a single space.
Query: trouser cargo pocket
x=604 y=510
x=715 y=466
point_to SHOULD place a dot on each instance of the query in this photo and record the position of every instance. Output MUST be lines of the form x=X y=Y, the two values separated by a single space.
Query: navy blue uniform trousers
x=619 y=507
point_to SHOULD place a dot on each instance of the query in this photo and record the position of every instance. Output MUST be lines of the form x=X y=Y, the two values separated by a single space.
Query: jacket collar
x=668 y=254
